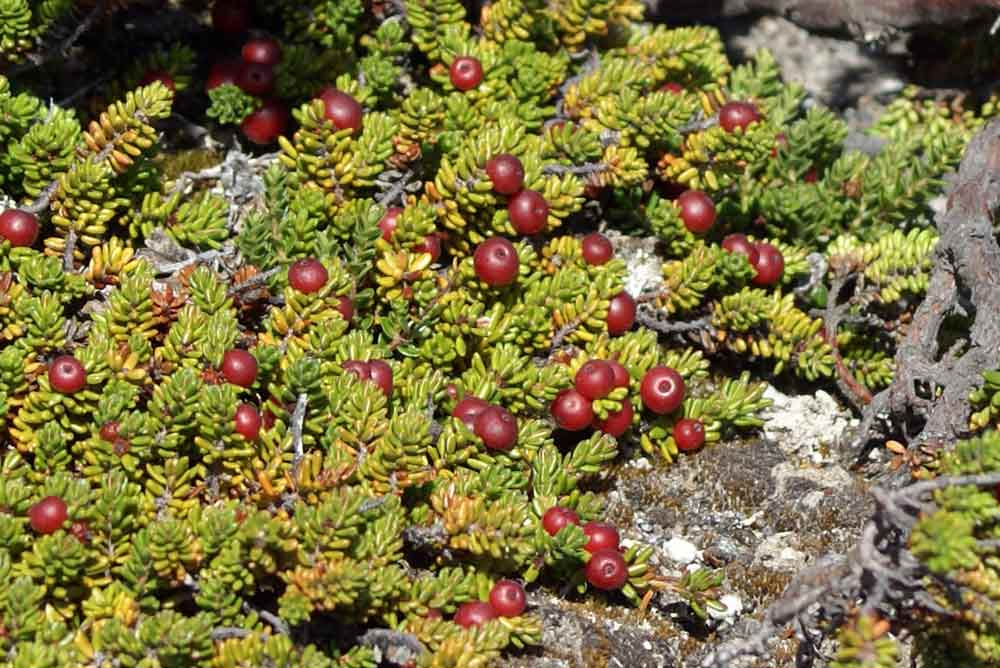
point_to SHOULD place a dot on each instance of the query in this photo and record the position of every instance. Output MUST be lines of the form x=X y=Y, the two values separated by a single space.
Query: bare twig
x=68 y=251
x=276 y=622
x=585 y=169
x=396 y=647
x=61 y=50
x=227 y=632
x=42 y=201
x=254 y=281
x=204 y=256
x=298 y=420
x=817 y=270
x=852 y=390
x=648 y=316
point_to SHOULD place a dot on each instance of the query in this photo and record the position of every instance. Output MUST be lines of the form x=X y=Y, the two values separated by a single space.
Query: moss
x=758 y=584
x=176 y=163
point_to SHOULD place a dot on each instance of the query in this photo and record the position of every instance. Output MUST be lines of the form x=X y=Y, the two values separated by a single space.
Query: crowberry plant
x=253 y=442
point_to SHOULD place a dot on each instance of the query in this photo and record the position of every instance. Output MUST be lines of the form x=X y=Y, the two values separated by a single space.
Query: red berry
x=380 y=373
x=673 y=87
x=109 y=431
x=496 y=262
x=263 y=50
x=811 y=176
x=223 y=72
x=468 y=409
x=80 y=531
x=474 y=613
x=158 y=75
x=621 y=313
x=48 y=515
x=341 y=109
x=734 y=115
x=345 y=307
x=497 y=427
x=264 y=126
x=770 y=265
x=689 y=434
x=597 y=249
x=231 y=16
x=358 y=368
x=388 y=222
x=556 y=517
x=506 y=172
x=307 y=275
x=528 y=212
x=508 y=598
x=67 y=375
x=607 y=570
x=620 y=373
x=247 y=421
x=697 y=211
x=779 y=140
x=239 y=367
x=430 y=245
x=572 y=411
x=594 y=379
x=18 y=227
x=466 y=72
x=662 y=390
x=738 y=243
x=603 y=536
x=256 y=79
x=617 y=423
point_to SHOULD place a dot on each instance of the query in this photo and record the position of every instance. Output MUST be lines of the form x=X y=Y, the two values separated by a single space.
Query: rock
x=833 y=71
x=804 y=424
x=777 y=554
x=681 y=551
x=734 y=606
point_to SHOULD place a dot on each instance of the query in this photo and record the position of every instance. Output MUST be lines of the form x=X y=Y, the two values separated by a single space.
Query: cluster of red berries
x=597 y=250
x=527 y=209
x=573 y=408
x=494 y=424
x=309 y=275
x=697 y=212
x=109 y=433
x=253 y=72
x=606 y=568
x=431 y=243
x=377 y=372
x=662 y=390
x=19 y=227
x=507 y=599
x=765 y=258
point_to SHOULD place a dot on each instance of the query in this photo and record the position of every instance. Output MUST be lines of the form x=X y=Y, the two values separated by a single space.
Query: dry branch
x=940 y=362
